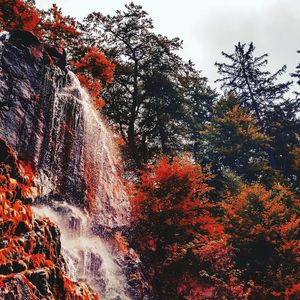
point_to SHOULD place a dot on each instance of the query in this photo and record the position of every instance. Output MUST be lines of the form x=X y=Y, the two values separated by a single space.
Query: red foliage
x=16 y=14
x=177 y=232
x=95 y=64
x=173 y=188
x=50 y=26
x=93 y=86
x=28 y=244
x=93 y=70
x=58 y=28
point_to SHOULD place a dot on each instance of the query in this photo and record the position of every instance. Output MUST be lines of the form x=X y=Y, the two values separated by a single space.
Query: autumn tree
x=51 y=26
x=59 y=29
x=94 y=71
x=263 y=225
x=18 y=14
x=181 y=243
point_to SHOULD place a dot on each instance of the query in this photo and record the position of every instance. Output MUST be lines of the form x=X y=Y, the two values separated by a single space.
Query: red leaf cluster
x=94 y=70
x=16 y=14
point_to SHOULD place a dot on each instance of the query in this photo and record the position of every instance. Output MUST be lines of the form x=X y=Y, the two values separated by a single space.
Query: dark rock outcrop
x=31 y=263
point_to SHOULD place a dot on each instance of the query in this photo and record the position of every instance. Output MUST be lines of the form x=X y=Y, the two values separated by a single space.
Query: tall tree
x=261 y=93
x=246 y=76
x=147 y=101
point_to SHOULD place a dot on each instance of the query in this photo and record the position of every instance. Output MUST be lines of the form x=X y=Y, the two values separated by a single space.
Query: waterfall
x=88 y=257
x=79 y=183
x=81 y=157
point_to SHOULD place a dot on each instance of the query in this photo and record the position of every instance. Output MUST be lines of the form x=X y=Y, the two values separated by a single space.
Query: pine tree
x=245 y=75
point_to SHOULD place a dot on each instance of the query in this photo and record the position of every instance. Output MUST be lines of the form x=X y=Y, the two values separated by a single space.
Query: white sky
x=208 y=27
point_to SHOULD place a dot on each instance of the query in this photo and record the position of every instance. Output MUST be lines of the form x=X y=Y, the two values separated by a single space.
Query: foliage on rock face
x=94 y=70
x=263 y=226
x=49 y=25
x=63 y=32
x=30 y=259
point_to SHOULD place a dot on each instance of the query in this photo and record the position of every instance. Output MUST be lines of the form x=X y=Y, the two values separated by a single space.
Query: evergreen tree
x=233 y=144
x=261 y=93
x=245 y=75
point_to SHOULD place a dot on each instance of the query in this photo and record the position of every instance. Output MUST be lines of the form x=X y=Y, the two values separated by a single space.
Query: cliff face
x=31 y=263
x=47 y=118
x=73 y=169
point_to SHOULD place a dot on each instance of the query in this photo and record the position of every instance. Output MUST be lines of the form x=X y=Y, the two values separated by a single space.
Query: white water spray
x=81 y=167
x=87 y=257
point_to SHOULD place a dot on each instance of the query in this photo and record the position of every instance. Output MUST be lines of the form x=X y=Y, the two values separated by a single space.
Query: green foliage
x=233 y=142
x=155 y=98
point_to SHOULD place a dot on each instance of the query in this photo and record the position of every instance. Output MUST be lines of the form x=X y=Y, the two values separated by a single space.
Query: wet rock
x=58 y=54
x=31 y=263
x=22 y=228
x=44 y=119
x=19 y=266
x=25 y=38
x=6 y=269
x=39 y=279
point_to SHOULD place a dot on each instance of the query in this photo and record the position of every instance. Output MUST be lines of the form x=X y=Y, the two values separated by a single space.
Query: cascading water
x=79 y=166
x=79 y=143
x=87 y=257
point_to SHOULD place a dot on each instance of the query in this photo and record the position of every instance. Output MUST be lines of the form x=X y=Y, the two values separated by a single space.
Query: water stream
x=79 y=183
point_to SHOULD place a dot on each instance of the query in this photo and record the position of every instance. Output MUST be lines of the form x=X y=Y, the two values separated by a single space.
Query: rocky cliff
x=31 y=263
x=48 y=120
x=80 y=208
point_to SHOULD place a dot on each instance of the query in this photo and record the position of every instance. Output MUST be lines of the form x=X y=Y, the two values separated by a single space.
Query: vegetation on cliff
x=31 y=264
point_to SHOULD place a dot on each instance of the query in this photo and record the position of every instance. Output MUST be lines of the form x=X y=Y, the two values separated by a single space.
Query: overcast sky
x=208 y=27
